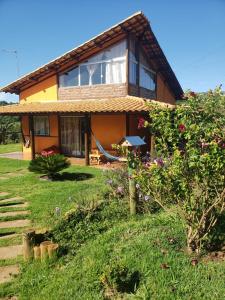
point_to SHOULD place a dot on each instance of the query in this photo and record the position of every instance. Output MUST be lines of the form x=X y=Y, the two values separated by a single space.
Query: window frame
x=42 y=135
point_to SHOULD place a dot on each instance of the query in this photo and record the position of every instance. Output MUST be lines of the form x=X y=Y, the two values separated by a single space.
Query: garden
x=153 y=229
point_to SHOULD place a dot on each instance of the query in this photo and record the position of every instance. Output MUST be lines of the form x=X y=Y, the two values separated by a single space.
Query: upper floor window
x=133 y=63
x=147 y=76
x=41 y=125
x=109 y=66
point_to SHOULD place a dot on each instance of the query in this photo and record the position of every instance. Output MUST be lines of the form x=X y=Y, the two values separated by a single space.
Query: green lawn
x=150 y=246
x=10 y=148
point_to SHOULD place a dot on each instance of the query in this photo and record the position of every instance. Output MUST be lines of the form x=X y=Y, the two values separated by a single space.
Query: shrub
x=49 y=165
x=189 y=170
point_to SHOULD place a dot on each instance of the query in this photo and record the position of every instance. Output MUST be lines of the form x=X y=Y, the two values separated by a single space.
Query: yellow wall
x=108 y=129
x=164 y=93
x=42 y=91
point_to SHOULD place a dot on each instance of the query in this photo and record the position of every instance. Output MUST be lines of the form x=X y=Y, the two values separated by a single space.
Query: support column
x=31 y=125
x=87 y=140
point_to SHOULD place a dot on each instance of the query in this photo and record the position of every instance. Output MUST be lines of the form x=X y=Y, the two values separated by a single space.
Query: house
x=99 y=88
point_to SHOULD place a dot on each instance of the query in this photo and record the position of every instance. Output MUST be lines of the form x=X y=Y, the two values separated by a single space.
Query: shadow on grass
x=66 y=176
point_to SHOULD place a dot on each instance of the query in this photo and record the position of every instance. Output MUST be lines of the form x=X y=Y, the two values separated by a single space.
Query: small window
x=41 y=125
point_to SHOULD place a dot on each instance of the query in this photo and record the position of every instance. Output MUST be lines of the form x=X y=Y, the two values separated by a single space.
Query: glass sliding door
x=72 y=135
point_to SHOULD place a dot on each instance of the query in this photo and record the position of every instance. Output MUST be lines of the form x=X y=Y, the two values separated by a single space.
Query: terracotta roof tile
x=123 y=104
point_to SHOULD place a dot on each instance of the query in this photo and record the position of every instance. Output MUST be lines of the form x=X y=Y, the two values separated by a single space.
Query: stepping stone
x=7 y=272
x=11 y=251
x=8 y=236
x=15 y=223
x=3 y=178
x=3 y=194
x=25 y=204
x=13 y=199
x=14 y=213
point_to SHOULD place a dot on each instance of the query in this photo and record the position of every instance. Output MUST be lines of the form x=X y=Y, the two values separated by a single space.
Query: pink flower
x=181 y=127
x=141 y=123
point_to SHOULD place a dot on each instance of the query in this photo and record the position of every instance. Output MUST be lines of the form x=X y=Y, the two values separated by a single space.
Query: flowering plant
x=189 y=170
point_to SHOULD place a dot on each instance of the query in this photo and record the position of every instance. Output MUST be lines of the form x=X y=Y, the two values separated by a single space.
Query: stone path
x=11 y=252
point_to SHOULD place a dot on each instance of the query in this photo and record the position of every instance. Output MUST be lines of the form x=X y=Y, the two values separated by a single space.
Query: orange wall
x=108 y=129
x=41 y=142
x=164 y=93
x=42 y=91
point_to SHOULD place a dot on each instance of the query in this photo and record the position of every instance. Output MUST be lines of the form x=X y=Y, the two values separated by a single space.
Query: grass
x=10 y=148
x=150 y=246
x=44 y=196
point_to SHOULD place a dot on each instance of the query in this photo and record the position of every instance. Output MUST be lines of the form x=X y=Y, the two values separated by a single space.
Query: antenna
x=15 y=52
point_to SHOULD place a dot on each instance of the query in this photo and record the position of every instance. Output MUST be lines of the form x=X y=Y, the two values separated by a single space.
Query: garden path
x=13 y=220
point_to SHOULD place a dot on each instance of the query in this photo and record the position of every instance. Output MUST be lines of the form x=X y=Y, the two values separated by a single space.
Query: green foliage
x=9 y=128
x=49 y=165
x=85 y=222
x=189 y=171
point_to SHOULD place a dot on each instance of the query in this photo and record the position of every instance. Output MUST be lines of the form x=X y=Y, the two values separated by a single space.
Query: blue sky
x=190 y=32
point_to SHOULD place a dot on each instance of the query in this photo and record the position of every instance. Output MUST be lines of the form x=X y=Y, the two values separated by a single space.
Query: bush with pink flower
x=190 y=169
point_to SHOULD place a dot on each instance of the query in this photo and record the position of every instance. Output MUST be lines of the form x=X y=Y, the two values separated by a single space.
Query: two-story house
x=100 y=87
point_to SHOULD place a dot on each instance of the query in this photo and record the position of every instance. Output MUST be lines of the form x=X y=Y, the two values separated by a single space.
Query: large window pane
x=147 y=79
x=41 y=125
x=95 y=74
x=133 y=72
x=69 y=78
x=84 y=75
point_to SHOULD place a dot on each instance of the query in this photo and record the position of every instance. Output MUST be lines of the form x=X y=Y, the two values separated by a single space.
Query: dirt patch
x=11 y=251
x=14 y=213
x=6 y=273
x=16 y=223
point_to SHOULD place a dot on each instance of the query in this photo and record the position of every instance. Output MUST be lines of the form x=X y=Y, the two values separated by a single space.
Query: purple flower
x=58 y=211
x=109 y=181
x=146 y=197
x=120 y=190
x=137 y=186
x=140 y=195
x=159 y=162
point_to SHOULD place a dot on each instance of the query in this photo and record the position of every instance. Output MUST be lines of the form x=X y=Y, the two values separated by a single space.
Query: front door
x=72 y=135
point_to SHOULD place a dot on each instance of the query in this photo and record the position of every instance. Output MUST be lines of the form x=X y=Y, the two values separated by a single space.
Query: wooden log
x=28 y=238
x=133 y=196
x=52 y=250
x=44 y=250
x=37 y=252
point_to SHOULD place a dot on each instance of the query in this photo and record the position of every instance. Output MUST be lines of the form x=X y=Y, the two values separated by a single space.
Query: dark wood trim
x=127 y=124
x=59 y=133
x=31 y=129
x=128 y=62
x=87 y=140
x=137 y=48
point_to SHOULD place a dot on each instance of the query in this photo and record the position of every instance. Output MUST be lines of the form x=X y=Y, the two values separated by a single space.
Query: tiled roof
x=123 y=104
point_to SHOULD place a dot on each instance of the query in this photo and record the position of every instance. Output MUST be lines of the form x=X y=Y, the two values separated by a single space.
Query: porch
x=72 y=125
